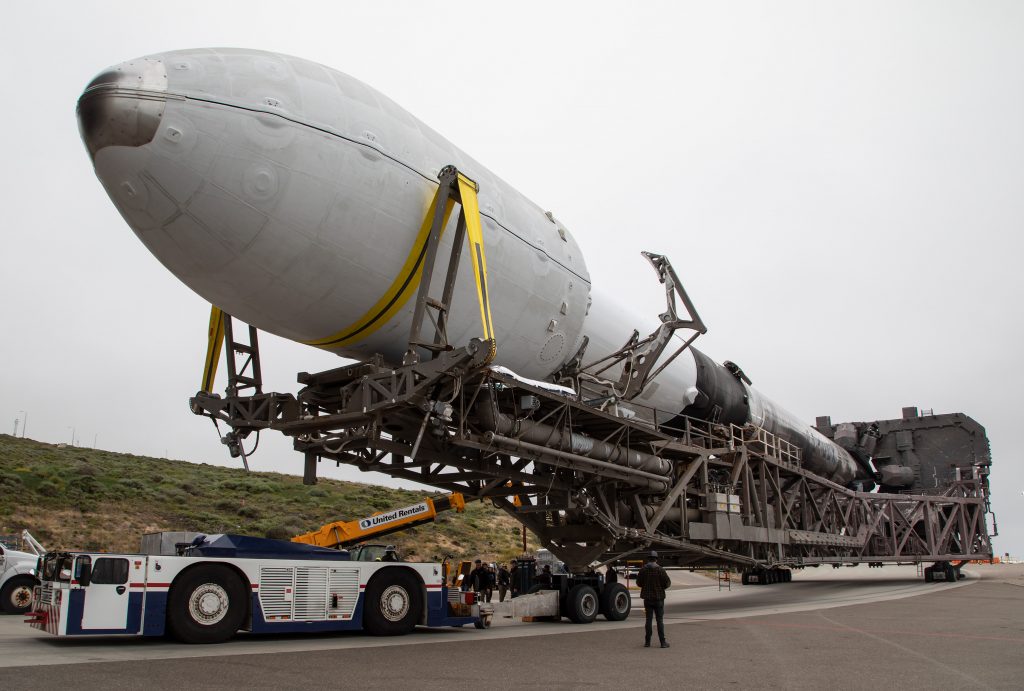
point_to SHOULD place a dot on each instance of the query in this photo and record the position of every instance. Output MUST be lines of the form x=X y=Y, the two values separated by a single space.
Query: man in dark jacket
x=504 y=580
x=477 y=577
x=653 y=582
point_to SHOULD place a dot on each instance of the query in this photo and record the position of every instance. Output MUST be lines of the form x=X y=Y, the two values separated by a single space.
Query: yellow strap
x=475 y=235
x=398 y=293
x=215 y=342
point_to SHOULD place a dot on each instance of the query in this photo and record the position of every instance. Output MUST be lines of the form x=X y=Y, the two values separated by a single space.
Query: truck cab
x=93 y=593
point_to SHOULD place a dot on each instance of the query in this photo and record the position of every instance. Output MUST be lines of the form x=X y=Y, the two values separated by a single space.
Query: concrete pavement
x=848 y=628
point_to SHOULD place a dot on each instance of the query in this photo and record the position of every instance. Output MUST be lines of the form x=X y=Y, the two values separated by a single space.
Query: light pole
x=16 y=427
x=24 y=422
x=72 y=435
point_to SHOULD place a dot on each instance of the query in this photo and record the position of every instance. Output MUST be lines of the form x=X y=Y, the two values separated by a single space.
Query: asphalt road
x=849 y=628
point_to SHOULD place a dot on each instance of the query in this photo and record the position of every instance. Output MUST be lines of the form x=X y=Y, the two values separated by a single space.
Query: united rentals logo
x=392 y=516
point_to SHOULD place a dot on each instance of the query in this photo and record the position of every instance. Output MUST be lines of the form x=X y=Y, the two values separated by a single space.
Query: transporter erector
x=304 y=203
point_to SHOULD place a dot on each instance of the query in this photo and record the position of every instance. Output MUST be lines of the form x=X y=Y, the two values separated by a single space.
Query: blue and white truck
x=222 y=584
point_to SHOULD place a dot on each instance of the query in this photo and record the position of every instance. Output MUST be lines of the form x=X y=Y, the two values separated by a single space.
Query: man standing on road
x=478 y=578
x=503 y=582
x=653 y=582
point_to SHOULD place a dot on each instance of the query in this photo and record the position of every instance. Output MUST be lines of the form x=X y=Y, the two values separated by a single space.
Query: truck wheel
x=207 y=604
x=392 y=604
x=16 y=595
x=582 y=604
x=616 y=602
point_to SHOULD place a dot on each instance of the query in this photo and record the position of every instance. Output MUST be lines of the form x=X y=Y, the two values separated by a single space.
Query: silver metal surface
x=208 y=604
x=394 y=603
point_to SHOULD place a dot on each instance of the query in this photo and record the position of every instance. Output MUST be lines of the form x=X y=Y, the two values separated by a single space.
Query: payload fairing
x=293 y=196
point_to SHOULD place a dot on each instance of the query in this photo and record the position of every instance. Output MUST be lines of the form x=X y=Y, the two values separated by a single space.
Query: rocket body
x=293 y=197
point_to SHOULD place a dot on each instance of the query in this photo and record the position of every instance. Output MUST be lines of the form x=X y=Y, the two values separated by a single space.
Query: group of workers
x=484 y=578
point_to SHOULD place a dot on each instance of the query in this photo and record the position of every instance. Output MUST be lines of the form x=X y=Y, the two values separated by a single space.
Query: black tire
x=16 y=595
x=616 y=602
x=207 y=604
x=745 y=578
x=950 y=573
x=928 y=577
x=393 y=603
x=582 y=604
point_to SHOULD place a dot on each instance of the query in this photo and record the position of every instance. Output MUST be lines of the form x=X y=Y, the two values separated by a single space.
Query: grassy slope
x=75 y=498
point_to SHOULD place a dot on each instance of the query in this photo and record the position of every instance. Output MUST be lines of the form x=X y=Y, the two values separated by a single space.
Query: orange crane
x=342 y=534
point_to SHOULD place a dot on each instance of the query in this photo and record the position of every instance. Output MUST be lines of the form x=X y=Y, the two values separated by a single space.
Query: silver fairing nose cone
x=123 y=105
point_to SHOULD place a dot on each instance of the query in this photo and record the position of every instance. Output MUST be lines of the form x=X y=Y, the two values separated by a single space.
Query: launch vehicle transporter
x=302 y=202
x=597 y=477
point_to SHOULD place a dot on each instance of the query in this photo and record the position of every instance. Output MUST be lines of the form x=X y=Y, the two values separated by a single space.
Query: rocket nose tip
x=123 y=105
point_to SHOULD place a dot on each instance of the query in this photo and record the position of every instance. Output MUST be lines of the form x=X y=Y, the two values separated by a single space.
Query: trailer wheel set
x=766 y=576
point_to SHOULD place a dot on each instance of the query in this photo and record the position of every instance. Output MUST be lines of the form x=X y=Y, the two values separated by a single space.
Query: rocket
x=293 y=197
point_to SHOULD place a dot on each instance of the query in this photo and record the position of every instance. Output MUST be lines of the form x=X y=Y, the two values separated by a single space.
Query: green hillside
x=75 y=498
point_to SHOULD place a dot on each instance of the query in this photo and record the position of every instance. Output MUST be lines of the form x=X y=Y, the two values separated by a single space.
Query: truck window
x=110 y=570
x=64 y=570
x=49 y=567
x=79 y=563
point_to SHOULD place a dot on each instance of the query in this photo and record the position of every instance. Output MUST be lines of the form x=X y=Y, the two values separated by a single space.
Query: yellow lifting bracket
x=214 y=344
x=471 y=209
x=455 y=187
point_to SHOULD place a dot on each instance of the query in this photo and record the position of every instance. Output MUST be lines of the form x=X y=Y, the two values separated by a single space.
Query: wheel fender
x=14 y=572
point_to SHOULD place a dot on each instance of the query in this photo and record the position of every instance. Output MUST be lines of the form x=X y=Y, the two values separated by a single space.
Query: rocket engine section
x=294 y=198
x=725 y=395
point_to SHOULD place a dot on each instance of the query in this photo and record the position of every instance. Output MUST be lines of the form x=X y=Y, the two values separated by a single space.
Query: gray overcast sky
x=839 y=185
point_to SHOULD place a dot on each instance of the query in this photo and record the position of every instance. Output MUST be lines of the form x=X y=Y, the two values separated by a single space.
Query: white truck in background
x=18 y=559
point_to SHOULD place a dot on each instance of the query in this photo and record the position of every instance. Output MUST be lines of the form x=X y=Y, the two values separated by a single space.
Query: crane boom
x=344 y=533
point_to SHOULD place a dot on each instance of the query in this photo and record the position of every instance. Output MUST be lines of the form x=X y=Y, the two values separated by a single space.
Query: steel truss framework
x=597 y=487
x=592 y=484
